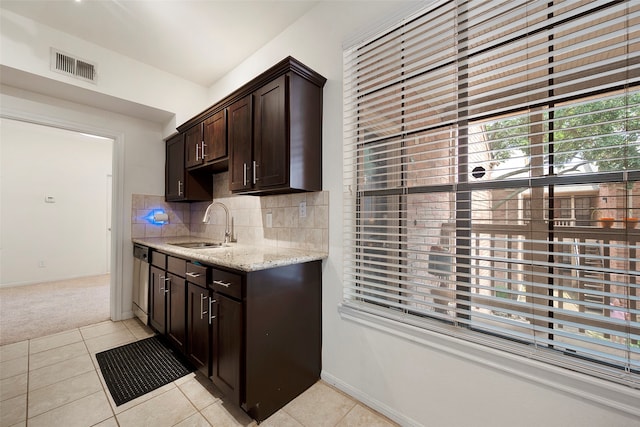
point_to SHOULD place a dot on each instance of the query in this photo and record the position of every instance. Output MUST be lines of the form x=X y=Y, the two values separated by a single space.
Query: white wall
x=25 y=45
x=124 y=85
x=138 y=167
x=409 y=381
x=61 y=238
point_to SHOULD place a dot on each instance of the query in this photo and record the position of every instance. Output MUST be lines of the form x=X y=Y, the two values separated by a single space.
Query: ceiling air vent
x=78 y=68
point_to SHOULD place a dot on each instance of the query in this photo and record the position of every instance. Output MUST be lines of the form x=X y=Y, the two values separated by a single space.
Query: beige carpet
x=32 y=311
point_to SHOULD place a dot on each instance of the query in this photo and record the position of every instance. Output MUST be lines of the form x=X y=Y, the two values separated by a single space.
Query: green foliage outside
x=604 y=133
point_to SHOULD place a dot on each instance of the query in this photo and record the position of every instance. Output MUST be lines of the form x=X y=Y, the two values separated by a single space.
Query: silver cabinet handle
x=202 y=312
x=190 y=274
x=221 y=283
x=244 y=174
x=179 y=188
x=255 y=173
x=197 y=155
x=211 y=316
x=163 y=288
x=202 y=155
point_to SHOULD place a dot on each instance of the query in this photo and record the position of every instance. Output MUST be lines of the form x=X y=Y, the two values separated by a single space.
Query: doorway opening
x=56 y=198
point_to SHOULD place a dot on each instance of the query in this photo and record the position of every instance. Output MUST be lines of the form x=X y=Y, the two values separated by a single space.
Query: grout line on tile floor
x=138 y=332
x=104 y=389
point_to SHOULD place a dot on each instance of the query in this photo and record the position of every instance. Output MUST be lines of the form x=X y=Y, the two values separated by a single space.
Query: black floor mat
x=140 y=367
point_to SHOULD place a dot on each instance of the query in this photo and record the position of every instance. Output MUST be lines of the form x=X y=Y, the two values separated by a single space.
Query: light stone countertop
x=237 y=256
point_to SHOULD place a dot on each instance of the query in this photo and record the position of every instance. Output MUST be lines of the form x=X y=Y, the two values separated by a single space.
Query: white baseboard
x=369 y=401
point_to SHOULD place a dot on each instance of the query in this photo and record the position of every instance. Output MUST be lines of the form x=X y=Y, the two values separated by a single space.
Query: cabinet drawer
x=197 y=274
x=176 y=266
x=227 y=283
x=159 y=260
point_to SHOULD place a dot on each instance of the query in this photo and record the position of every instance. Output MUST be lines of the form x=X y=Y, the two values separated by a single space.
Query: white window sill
x=581 y=386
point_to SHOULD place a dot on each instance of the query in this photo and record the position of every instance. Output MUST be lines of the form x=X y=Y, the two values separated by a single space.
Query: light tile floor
x=55 y=380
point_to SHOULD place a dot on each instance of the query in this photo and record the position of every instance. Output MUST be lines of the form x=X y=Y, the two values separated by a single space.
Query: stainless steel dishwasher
x=141 y=282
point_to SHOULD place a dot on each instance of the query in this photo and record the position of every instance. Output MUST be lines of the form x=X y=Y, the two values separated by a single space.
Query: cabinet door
x=240 y=145
x=180 y=184
x=198 y=330
x=271 y=138
x=193 y=146
x=227 y=346
x=174 y=173
x=176 y=314
x=157 y=303
x=215 y=137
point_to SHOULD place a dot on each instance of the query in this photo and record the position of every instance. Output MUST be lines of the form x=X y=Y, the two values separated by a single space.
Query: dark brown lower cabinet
x=176 y=315
x=198 y=326
x=157 y=299
x=257 y=334
x=227 y=346
x=267 y=335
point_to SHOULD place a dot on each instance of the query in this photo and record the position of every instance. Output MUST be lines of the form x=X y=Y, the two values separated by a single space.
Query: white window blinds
x=491 y=168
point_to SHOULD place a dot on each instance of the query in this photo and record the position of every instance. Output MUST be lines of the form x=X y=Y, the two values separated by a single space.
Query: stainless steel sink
x=200 y=245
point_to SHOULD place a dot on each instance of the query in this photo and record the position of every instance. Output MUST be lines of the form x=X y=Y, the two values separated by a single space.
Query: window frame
x=463 y=189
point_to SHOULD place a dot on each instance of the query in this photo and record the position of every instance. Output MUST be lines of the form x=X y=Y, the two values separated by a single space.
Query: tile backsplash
x=142 y=209
x=248 y=217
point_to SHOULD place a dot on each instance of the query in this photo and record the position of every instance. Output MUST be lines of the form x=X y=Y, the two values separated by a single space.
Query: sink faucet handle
x=227 y=225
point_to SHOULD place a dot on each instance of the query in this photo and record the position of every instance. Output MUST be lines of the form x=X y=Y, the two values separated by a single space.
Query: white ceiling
x=198 y=40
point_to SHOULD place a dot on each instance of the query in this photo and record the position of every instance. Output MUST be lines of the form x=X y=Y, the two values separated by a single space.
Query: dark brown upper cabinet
x=271 y=138
x=214 y=137
x=206 y=143
x=286 y=154
x=240 y=144
x=272 y=129
x=174 y=173
x=193 y=145
x=180 y=184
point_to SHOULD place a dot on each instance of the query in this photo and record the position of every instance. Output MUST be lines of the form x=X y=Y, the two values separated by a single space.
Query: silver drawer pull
x=190 y=274
x=221 y=283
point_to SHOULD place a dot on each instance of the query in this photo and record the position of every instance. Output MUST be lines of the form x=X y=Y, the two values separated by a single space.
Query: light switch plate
x=302 y=209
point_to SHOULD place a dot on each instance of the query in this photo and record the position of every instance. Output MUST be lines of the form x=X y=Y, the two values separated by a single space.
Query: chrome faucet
x=227 y=232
